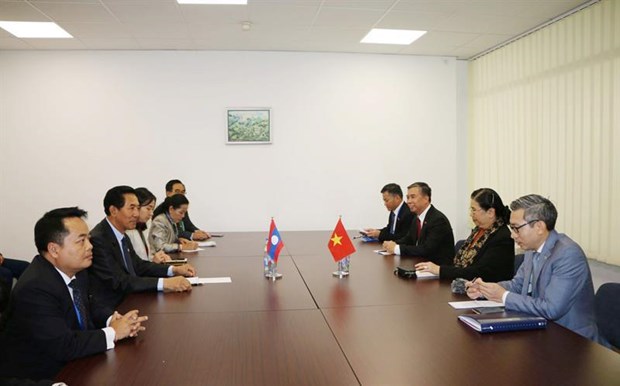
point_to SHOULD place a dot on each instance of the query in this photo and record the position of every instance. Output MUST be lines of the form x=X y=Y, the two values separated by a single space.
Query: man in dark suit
x=554 y=280
x=187 y=229
x=51 y=319
x=117 y=270
x=430 y=235
x=399 y=220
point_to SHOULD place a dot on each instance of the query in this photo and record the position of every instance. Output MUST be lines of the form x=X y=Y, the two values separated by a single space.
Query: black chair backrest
x=607 y=306
x=458 y=245
x=518 y=261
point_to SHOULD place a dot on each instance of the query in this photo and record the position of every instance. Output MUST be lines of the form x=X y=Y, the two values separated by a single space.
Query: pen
x=473 y=281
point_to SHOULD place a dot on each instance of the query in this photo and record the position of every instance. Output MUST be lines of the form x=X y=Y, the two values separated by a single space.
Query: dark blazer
x=40 y=331
x=436 y=241
x=494 y=262
x=403 y=223
x=109 y=278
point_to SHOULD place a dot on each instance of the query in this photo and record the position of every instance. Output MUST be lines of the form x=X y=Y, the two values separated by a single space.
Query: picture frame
x=248 y=126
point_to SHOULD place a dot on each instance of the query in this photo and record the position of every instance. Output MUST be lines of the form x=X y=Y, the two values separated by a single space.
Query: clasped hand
x=128 y=325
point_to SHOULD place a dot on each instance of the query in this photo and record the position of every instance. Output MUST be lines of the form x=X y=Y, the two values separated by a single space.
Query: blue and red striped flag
x=274 y=242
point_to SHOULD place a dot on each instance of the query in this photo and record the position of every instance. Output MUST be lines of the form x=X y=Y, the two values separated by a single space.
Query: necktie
x=535 y=272
x=78 y=305
x=392 y=223
x=127 y=256
x=419 y=226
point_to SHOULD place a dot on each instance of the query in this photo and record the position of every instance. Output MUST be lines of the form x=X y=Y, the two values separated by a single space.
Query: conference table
x=311 y=328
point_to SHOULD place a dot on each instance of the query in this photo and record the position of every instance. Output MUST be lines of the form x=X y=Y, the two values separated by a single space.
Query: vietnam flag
x=274 y=242
x=340 y=244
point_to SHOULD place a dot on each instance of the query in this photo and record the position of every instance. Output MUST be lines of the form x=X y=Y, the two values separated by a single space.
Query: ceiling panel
x=458 y=28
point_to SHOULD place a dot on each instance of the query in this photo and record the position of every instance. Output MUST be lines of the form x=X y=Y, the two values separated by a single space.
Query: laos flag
x=274 y=243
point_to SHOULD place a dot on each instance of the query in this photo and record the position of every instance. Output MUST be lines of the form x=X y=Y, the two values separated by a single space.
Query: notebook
x=503 y=321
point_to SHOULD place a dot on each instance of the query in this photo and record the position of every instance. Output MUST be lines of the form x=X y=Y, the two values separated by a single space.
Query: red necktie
x=419 y=226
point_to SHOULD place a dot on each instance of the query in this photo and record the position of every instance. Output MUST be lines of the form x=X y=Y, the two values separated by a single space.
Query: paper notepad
x=209 y=280
x=382 y=252
x=467 y=304
x=192 y=250
x=207 y=244
x=426 y=275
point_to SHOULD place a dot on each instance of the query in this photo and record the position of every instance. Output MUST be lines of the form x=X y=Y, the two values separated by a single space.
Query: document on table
x=426 y=275
x=192 y=250
x=209 y=280
x=382 y=252
x=467 y=304
x=207 y=243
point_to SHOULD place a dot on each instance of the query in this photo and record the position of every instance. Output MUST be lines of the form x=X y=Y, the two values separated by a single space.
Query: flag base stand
x=272 y=272
x=273 y=276
x=343 y=268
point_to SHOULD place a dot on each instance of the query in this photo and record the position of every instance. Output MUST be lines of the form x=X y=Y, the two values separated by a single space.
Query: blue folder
x=504 y=321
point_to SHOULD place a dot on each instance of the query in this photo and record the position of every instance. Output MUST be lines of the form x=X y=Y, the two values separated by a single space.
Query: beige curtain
x=545 y=118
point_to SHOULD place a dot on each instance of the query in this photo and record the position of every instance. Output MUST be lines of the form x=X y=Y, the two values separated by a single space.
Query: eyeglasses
x=474 y=210
x=515 y=229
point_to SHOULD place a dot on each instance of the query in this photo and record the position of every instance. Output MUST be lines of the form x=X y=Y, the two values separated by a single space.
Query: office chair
x=607 y=308
x=458 y=245
x=518 y=261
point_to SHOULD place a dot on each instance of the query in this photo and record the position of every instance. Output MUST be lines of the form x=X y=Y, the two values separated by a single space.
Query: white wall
x=73 y=124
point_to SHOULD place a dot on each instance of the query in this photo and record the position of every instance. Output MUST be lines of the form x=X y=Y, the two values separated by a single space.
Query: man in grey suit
x=554 y=280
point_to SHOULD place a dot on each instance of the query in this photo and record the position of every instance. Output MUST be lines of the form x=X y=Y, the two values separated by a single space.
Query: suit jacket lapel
x=117 y=248
x=544 y=257
x=527 y=273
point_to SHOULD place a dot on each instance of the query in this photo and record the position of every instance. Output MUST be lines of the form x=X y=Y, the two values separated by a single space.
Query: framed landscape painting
x=247 y=126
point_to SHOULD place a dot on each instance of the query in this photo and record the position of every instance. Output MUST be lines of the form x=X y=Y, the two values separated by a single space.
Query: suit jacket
x=41 y=331
x=436 y=241
x=403 y=223
x=563 y=291
x=110 y=281
x=495 y=261
x=163 y=235
x=189 y=228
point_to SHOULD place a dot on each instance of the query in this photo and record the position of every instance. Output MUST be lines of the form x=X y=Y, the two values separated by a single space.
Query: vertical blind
x=545 y=118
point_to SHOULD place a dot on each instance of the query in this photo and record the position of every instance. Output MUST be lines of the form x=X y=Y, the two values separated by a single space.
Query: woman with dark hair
x=488 y=252
x=164 y=232
x=139 y=236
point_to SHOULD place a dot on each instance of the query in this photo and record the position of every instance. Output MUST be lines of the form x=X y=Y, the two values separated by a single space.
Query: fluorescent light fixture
x=33 y=29
x=225 y=2
x=392 y=36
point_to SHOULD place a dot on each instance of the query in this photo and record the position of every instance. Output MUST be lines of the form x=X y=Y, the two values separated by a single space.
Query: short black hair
x=394 y=189
x=171 y=183
x=51 y=227
x=116 y=197
x=424 y=188
x=145 y=196
x=175 y=201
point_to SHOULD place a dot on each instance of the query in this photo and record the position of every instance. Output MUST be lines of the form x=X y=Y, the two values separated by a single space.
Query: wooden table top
x=310 y=328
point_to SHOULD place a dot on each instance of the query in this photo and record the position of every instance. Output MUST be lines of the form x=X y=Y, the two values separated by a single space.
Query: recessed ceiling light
x=33 y=29
x=225 y=2
x=392 y=36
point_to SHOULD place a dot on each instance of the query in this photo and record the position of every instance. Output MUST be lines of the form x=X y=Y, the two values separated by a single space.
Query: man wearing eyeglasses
x=554 y=280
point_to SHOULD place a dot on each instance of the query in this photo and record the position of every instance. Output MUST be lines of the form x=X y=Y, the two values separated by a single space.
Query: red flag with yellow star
x=340 y=244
